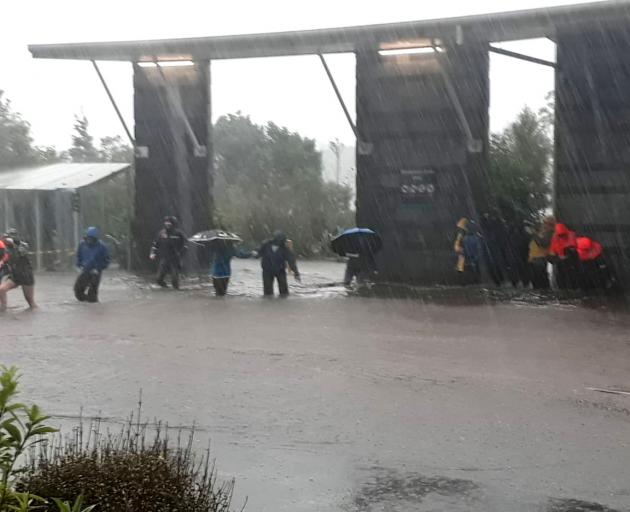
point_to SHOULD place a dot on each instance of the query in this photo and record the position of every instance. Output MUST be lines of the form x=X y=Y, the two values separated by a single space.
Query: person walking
x=563 y=253
x=360 y=265
x=19 y=270
x=538 y=255
x=467 y=247
x=168 y=249
x=594 y=272
x=92 y=258
x=222 y=253
x=275 y=256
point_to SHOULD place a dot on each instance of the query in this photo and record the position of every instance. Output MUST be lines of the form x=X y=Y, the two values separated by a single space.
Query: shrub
x=130 y=471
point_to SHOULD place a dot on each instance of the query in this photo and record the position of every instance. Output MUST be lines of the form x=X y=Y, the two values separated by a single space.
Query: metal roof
x=58 y=176
x=504 y=26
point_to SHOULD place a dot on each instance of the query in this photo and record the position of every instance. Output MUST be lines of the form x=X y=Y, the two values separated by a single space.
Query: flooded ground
x=440 y=399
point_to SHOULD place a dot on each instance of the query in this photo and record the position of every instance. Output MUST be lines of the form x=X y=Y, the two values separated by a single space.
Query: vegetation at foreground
x=132 y=471
x=520 y=166
x=269 y=178
x=21 y=428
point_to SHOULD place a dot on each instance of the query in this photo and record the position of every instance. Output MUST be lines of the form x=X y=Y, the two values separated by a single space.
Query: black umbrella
x=214 y=235
x=356 y=241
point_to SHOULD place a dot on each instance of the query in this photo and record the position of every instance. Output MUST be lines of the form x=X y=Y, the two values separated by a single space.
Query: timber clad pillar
x=592 y=184
x=173 y=173
x=418 y=170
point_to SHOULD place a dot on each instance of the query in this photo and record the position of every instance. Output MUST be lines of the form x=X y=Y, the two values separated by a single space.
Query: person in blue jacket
x=92 y=258
x=275 y=255
x=221 y=270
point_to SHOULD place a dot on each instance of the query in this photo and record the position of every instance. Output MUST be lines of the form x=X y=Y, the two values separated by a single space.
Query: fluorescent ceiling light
x=175 y=63
x=408 y=51
x=166 y=64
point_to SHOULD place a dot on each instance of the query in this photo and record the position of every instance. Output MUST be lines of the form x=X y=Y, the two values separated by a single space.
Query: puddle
x=566 y=505
x=394 y=491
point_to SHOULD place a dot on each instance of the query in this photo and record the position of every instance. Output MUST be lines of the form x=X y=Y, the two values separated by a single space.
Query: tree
x=113 y=149
x=16 y=142
x=336 y=146
x=83 y=149
x=519 y=167
x=269 y=178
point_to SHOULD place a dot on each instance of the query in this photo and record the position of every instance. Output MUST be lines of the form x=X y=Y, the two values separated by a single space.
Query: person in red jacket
x=563 y=253
x=594 y=273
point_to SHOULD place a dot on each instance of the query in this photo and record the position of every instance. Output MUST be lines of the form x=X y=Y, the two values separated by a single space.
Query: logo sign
x=417 y=185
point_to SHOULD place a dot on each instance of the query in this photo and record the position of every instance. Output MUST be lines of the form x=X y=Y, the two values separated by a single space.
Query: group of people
x=276 y=257
x=510 y=250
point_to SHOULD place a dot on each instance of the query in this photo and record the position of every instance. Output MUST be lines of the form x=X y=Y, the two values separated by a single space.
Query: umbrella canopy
x=205 y=237
x=356 y=241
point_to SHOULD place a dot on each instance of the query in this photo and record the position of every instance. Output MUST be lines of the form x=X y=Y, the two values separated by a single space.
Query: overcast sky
x=291 y=91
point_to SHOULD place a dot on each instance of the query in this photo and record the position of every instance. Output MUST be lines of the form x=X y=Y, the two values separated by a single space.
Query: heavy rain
x=355 y=258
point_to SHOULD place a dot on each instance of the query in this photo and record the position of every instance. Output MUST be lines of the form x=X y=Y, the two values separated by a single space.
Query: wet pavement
x=440 y=399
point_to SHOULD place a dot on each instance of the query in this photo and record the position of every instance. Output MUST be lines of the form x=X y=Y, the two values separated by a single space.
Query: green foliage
x=269 y=178
x=16 y=142
x=113 y=149
x=21 y=427
x=519 y=169
x=77 y=506
x=83 y=149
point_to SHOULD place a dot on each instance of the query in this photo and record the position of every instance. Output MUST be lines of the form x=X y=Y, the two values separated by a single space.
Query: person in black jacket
x=275 y=256
x=168 y=249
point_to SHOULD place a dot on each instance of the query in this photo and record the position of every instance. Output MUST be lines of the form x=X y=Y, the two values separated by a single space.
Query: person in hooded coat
x=594 y=272
x=18 y=270
x=538 y=253
x=168 y=249
x=91 y=259
x=495 y=242
x=221 y=268
x=275 y=256
x=468 y=247
x=563 y=253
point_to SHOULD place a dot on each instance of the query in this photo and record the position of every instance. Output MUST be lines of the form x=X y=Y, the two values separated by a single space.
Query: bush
x=131 y=471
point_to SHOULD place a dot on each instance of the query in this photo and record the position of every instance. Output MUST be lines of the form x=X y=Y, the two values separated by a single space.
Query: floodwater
x=453 y=400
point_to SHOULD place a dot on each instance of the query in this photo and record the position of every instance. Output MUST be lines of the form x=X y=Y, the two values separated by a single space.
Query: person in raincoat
x=538 y=255
x=517 y=251
x=594 y=272
x=563 y=254
x=221 y=268
x=274 y=257
x=91 y=259
x=168 y=249
x=467 y=247
x=495 y=242
x=360 y=265
x=4 y=257
x=19 y=270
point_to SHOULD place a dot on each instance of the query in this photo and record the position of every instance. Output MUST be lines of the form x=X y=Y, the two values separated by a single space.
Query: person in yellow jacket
x=539 y=250
x=467 y=246
x=458 y=246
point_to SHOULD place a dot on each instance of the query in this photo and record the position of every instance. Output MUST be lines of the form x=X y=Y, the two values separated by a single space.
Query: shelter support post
x=39 y=248
x=173 y=166
x=427 y=121
x=592 y=155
